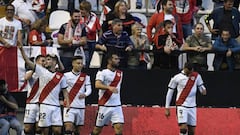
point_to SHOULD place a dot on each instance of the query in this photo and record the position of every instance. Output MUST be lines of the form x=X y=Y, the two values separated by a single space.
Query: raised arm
x=25 y=57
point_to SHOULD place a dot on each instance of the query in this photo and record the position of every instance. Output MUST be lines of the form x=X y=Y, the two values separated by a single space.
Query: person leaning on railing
x=198 y=44
x=225 y=49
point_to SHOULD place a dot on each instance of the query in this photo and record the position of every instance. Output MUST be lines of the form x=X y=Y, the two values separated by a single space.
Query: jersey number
x=42 y=115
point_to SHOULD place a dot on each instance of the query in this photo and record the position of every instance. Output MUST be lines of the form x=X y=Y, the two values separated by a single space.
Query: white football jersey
x=86 y=88
x=33 y=93
x=45 y=77
x=107 y=76
x=179 y=82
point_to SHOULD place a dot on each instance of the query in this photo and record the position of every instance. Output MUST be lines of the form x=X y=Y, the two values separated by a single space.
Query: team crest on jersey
x=192 y=78
x=58 y=76
x=81 y=78
x=118 y=74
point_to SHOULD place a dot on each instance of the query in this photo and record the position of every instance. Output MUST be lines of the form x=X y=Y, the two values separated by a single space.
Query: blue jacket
x=217 y=15
x=220 y=53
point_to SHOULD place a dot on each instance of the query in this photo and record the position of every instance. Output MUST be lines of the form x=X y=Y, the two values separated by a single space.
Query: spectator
x=138 y=60
x=120 y=12
x=115 y=40
x=185 y=9
x=156 y=22
x=225 y=48
x=166 y=57
x=10 y=28
x=198 y=44
x=72 y=37
x=108 y=6
x=225 y=17
x=92 y=27
x=24 y=13
x=37 y=36
x=8 y=108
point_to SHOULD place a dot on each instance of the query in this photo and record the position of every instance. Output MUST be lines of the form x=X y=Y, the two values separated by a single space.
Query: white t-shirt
x=85 y=89
x=9 y=30
x=24 y=10
x=171 y=17
x=107 y=76
x=44 y=77
x=179 y=82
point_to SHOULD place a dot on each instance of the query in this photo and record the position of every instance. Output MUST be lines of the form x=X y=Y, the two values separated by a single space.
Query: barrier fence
x=152 y=121
x=140 y=87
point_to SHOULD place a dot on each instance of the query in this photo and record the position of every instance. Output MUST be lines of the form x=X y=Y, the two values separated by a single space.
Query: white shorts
x=50 y=116
x=31 y=113
x=74 y=115
x=187 y=115
x=106 y=114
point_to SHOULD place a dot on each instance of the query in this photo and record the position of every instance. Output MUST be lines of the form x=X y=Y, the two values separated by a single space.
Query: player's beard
x=115 y=65
x=48 y=67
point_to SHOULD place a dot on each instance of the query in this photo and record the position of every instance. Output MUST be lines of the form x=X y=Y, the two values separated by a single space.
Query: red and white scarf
x=76 y=35
x=69 y=33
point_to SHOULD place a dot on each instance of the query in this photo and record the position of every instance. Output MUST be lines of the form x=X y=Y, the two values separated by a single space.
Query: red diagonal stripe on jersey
x=76 y=87
x=33 y=91
x=107 y=94
x=49 y=87
x=186 y=90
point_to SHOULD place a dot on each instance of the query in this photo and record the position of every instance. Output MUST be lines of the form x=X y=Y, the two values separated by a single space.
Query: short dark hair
x=188 y=65
x=110 y=56
x=167 y=22
x=225 y=29
x=53 y=56
x=164 y=2
x=76 y=58
x=11 y=5
x=74 y=11
x=115 y=21
x=228 y=1
x=2 y=82
x=39 y=56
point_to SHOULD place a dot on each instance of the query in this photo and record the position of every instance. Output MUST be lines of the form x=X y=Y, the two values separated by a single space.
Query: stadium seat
x=54 y=36
x=206 y=31
x=57 y=18
x=96 y=60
